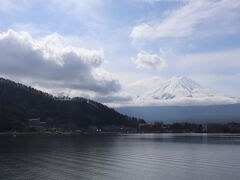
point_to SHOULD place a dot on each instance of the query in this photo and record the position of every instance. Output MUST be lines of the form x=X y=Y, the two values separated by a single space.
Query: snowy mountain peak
x=183 y=81
x=176 y=87
x=182 y=90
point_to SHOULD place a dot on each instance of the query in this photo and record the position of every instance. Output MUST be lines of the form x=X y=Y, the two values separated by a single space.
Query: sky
x=111 y=50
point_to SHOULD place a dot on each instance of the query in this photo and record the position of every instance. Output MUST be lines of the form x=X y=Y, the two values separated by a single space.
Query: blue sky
x=107 y=46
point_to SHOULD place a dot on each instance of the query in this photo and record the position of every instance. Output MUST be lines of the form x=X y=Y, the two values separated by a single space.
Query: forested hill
x=18 y=103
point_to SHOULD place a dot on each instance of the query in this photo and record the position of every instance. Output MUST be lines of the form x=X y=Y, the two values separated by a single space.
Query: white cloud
x=51 y=63
x=218 y=100
x=184 y=21
x=149 y=61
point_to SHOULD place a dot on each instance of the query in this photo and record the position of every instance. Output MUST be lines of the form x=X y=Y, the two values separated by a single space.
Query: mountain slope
x=182 y=91
x=18 y=103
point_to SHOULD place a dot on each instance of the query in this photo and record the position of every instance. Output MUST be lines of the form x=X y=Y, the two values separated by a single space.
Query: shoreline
x=107 y=133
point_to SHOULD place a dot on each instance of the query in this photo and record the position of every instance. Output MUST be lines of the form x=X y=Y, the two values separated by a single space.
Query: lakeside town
x=36 y=126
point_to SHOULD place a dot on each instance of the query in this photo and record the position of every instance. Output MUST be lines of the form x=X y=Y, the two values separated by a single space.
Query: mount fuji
x=183 y=91
x=181 y=99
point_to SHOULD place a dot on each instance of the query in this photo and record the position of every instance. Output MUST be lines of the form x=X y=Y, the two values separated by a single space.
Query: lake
x=123 y=157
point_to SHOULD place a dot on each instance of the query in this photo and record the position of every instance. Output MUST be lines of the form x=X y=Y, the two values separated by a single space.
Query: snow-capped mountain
x=183 y=91
x=181 y=99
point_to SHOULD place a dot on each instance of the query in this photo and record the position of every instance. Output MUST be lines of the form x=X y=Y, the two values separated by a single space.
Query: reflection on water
x=145 y=156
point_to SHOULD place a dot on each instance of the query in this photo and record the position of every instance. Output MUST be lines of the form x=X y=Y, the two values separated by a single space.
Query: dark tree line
x=18 y=103
x=185 y=127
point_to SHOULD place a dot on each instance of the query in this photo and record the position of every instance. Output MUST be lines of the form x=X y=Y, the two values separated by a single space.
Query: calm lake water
x=126 y=157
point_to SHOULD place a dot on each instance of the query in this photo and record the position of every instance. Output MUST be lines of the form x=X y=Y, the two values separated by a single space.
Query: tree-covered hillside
x=18 y=103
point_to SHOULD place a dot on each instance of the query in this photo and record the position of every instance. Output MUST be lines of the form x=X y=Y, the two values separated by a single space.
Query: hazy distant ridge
x=198 y=114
